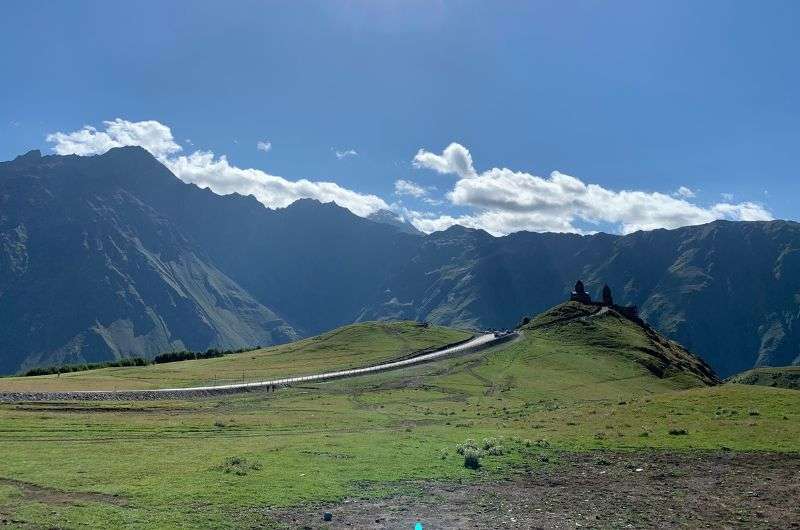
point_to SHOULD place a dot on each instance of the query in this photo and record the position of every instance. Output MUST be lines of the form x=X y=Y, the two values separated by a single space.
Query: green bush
x=239 y=466
x=488 y=443
x=469 y=443
x=472 y=458
x=678 y=432
x=495 y=450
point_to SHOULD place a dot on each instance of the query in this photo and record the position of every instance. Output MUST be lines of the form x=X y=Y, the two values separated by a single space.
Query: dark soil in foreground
x=594 y=490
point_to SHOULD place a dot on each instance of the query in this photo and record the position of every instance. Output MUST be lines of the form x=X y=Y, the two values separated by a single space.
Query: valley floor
x=593 y=490
x=565 y=416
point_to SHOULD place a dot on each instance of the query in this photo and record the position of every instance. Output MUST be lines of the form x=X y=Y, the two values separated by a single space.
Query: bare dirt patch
x=593 y=490
x=47 y=495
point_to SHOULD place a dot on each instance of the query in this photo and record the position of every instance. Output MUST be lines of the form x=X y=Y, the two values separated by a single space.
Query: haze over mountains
x=112 y=255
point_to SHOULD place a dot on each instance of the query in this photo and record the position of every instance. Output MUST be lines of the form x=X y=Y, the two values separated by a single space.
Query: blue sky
x=640 y=97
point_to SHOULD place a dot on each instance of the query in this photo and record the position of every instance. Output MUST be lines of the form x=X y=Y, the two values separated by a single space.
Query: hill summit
x=593 y=329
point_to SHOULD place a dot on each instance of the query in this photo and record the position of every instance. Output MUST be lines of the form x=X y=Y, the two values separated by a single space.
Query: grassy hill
x=779 y=377
x=574 y=382
x=600 y=333
x=347 y=347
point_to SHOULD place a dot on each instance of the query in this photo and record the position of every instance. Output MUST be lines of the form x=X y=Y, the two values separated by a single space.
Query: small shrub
x=488 y=443
x=495 y=450
x=678 y=432
x=469 y=443
x=754 y=412
x=239 y=466
x=220 y=424
x=443 y=454
x=472 y=458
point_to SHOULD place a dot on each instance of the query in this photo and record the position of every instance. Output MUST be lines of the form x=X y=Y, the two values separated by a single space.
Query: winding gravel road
x=477 y=343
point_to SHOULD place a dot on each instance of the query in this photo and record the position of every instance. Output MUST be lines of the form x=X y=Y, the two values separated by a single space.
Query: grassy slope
x=347 y=347
x=370 y=436
x=780 y=377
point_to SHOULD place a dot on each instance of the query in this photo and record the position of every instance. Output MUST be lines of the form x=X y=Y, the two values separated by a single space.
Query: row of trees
x=169 y=357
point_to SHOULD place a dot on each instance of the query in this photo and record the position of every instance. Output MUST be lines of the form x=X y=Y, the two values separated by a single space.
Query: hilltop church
x=579 y=294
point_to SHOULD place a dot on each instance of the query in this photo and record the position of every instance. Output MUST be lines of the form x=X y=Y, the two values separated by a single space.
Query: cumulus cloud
x=206 y=169
x=727 y=196
x=152 y=135
x=498 y=200
x=264 y=145
x=345 y=154
x=454 y=159
x=504 y=201
x=407 y=187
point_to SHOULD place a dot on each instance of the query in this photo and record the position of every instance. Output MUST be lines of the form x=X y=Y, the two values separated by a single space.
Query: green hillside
x=779 y=377
x=347 y=347
x=603 y=333
x=574 y=382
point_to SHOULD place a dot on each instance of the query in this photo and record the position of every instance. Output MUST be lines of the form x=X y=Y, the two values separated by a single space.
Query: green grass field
x=561 y=388
x=348 y=347
x=779 y=377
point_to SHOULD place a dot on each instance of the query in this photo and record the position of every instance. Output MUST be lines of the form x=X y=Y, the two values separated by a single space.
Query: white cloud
x=495 y=222
x=727 y=196
x=498 y=200
x=454 y=159
x=406 y=187
x=264 y=145
x=344 y=154
x=152 y=135
x=504 y=201
x=207 y=170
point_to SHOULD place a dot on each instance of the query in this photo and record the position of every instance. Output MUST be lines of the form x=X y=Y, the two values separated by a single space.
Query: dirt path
x=55 y=496
x=595 y=490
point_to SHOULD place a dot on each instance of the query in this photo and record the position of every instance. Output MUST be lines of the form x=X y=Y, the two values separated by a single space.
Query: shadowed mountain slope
x=86 y=243
x=89 y=271
x=727 y=290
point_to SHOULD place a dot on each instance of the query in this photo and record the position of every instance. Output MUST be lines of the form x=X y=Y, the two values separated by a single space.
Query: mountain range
x=111 y=256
